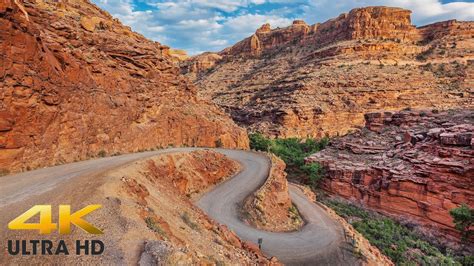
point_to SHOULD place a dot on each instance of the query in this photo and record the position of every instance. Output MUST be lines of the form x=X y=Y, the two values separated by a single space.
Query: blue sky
x=211 y=25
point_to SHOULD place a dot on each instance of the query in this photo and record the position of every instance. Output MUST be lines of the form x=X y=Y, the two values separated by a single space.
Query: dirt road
x=319 y=242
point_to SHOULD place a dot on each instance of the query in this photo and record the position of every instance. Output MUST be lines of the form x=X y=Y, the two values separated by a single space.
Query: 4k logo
x=46 y=225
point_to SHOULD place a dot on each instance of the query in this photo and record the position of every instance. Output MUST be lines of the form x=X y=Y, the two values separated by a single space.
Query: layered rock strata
x=316 y=80
x=413 y=165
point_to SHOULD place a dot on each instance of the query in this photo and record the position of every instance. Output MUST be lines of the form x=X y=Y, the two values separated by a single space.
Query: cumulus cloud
x=212 y=25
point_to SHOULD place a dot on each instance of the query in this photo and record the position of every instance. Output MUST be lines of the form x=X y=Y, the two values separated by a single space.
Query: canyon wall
x=316 y=80
x=77 y=83
x=413 y=165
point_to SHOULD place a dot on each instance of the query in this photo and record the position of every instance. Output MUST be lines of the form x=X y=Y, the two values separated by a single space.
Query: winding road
x=319 y=242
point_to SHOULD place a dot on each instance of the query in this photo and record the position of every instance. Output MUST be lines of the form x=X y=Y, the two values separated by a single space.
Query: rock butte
x=316 y=80
x=76 y=82
x=413 y=165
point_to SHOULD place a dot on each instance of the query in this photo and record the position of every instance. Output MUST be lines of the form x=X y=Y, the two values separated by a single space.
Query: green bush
x=293 y=151
x=314 y=171
x=463 y=219
x=392 y=238
x=259 y=142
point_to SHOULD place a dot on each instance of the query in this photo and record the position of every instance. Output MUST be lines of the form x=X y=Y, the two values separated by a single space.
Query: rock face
x=270 y=207
x=75 y=83
x=192 y=173
x=414 y=165
x=199 y=63
x=317 y=80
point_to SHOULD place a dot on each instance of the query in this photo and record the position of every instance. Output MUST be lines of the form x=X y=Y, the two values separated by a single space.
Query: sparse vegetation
x=395 y=240
x=293 y=151
x=4 y=172
x=219 y=143
x=102 y=154
x=294 y=214
x=463 y=219
x=151 y=224
x=187 y=220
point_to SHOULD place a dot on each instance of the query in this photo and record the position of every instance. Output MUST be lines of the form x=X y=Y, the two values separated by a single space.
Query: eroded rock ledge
x=270 y=207
x=317 y=80
x=413 y=165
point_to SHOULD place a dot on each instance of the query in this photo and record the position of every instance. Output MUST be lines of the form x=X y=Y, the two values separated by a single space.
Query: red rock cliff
x=360 y=23
x=75 y=82
x=311 y=81
x=414 y=165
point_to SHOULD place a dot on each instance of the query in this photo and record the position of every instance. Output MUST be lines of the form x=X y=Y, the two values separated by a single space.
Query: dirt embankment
x=167 y=227
x=270 y=207
x=192 y=173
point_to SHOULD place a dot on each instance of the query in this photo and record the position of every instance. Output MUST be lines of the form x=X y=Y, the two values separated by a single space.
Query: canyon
x=76 y=84
x=412 y=165
x=396 y=100
x=319 y=80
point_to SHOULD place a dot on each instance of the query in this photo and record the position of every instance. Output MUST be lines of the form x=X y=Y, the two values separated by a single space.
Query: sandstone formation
x=191 y=173
x=270 y=207
x=77 y=83
x=199 y=63
x=317 y=80
x=178 y=55
x=413 y=165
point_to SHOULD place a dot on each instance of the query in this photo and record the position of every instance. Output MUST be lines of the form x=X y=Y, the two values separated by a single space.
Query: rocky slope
x=191 y=173
x=316 y=80
x=77 y=83
x=270 y=207
x=413 y=165
x=147 y=218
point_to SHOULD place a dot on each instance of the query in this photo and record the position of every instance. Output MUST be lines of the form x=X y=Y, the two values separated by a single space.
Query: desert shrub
x=293 y=151
x=315 y=173
x=219 y=143
x=4 y=171
x=151 y=224
x=463 y=219
x=259 y=142
x=102 y=153
x=187 y=220
x=392 y=238
x=346 y=210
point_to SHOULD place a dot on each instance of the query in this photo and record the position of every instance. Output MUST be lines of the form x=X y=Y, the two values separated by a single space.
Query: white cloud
x=212 y=25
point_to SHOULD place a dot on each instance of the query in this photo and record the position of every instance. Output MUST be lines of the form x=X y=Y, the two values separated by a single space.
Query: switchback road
x=319 y=242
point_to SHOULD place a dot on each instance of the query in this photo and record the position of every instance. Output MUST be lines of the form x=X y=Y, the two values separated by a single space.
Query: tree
x=259 y=142
x=463 y=219
x=314 y=172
